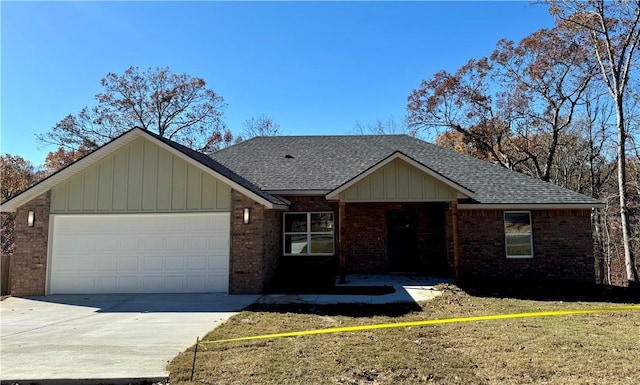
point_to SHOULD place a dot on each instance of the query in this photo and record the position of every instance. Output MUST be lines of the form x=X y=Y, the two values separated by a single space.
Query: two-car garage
x=142 y=219
x=141 y=214
x=139 y=253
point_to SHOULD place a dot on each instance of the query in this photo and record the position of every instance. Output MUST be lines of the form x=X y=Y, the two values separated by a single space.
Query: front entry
x=402 y=241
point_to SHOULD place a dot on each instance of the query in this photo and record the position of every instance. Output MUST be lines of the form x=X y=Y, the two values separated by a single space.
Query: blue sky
x=315 y=67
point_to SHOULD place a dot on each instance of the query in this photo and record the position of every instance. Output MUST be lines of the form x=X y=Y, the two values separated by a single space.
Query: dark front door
x=402 y=241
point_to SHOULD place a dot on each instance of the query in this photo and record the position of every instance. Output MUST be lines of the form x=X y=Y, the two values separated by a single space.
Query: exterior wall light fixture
x=30 y=219
x=245 y=216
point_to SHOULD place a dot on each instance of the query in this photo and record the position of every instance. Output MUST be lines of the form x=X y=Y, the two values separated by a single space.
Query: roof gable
x=398 y=177
x=192 y=157
x=140 y=176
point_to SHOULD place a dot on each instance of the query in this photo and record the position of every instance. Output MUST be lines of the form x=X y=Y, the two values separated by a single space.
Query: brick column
x=246 y=254
x=29 y=261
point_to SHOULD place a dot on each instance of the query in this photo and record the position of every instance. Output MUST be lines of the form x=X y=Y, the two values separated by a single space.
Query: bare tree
x=262 y=125
x=512 y=107
x=612 y=31
x=175 y=106
x=389 y=126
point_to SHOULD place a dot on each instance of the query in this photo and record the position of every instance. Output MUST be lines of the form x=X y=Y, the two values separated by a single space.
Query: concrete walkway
x=116 y=337
x=408 y=289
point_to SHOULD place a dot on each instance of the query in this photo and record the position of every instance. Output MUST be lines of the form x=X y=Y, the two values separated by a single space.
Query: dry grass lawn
x=602 y=348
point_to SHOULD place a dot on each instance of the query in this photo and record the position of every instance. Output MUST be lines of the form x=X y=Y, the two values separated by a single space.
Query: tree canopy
x=176 y=106
x=558 y=106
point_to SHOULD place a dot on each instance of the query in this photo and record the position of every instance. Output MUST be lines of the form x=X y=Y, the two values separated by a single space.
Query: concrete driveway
x=105 y=336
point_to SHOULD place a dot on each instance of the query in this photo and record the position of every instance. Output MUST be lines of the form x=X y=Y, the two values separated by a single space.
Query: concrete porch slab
x=408 y=289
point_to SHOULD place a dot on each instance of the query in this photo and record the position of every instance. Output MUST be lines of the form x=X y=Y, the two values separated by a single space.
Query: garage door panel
x=174 y=243
x=107 y=284
x=128 y=263
x=152 y=263
x=107 y=264
x=142 y=253
x=152 y=283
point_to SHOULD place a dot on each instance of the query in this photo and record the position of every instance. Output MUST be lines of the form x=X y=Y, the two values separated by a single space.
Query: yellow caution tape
x=424 y=323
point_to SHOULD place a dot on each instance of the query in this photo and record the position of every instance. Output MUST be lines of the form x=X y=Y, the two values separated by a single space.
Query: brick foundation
x=29 y=261
x=563 y=246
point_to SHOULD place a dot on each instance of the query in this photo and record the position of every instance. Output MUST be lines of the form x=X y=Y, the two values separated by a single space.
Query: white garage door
x=150 y=253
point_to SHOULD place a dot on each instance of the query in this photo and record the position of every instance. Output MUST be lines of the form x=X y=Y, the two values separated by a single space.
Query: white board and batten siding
x=141 y=220
x=398 y=181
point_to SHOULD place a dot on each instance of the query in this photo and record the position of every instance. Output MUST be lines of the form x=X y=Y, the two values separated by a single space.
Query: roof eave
x=298 y=192
x=52 y=180
x=46 y=184
x=529 y=206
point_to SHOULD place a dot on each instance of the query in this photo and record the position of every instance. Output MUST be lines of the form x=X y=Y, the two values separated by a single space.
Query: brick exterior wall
x=312 y=203
x=366 y=236
x=563 y=246
x=29 y=261
x=255 y=247
x=271 y=245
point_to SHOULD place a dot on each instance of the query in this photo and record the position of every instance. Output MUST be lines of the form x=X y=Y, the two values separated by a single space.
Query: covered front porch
x=399 y=217
x=393 y=237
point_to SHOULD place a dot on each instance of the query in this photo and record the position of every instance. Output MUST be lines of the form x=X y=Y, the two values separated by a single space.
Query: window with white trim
x=517 y=234
x=309 y=233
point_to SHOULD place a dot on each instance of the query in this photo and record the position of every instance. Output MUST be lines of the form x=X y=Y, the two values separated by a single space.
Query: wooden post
x=195 y=353
x=341 y=240
x=456 y=241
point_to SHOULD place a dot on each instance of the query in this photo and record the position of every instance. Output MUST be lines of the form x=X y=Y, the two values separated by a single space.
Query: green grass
x=601 y=348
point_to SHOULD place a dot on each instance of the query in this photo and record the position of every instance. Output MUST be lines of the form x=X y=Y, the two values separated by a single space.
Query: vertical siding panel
x=390 y=181
x=134 y=190
x=194 y=188
x=444 y=192
x=364 y=189
x=209 y=192
x=403 y=179
x=76 y=188
x=165 y=171
x=377 y=185
x=59 y=197
x=351 y=194
x=430 y=190
x=149 y=176
x=223 y=196
x=179 y=184
x=105 y=184
x=416 y=184
x=90 y=190
x=120 y=179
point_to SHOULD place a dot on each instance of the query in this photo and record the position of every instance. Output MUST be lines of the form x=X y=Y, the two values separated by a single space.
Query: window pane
x=295 y=223
x=517 y=223
x=295 y=244
x=321 y=244
x=322 y=222
x=518 y=245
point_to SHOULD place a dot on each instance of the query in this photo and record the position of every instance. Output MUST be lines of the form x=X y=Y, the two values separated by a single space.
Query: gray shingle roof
x=221 y=169
x=327 y=162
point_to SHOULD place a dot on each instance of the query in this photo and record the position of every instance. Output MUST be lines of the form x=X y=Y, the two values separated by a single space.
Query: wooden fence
x=5 y=262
